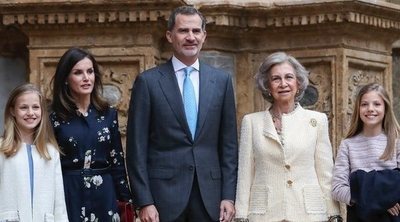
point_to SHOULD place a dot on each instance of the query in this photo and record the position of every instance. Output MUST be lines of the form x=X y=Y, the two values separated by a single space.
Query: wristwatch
x=335 y=218
x=241 y=220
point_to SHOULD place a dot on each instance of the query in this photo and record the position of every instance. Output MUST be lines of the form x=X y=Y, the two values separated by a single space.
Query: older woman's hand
x=335 y=218
x=395 y=210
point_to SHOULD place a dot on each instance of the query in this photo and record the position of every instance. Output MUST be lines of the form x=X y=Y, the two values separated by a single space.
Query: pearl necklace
x=277 y=119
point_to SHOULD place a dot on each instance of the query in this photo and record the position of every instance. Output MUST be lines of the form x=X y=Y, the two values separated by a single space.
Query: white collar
x=178 y=65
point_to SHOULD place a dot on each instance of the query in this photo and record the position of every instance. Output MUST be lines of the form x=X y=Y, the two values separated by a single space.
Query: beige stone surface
x=344 y=44
x=278 y=3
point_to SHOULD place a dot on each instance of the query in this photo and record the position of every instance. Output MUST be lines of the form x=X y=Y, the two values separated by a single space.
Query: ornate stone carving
x=104 y=16
x=361 y=73
x=320 y=79
x=341 y=48
x=238 y=17
x=121 y=73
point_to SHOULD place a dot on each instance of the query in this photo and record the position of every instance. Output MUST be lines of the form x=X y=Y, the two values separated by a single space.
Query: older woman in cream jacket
x=285 y=155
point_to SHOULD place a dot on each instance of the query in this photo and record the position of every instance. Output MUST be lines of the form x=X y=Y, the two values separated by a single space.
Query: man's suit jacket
x=162 y=158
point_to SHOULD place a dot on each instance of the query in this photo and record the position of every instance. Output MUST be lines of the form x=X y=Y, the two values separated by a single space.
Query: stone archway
x=14 y=60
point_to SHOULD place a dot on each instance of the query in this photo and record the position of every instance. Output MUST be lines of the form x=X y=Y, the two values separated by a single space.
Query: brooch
x=313 y=122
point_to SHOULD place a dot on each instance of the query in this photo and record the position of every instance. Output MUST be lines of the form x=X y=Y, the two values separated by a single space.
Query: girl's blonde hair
x=390 y=125
x=43 y=134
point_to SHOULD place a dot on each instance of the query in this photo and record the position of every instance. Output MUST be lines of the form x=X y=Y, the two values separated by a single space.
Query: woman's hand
x=395 y=210
x=335 y=218
x=149 y=213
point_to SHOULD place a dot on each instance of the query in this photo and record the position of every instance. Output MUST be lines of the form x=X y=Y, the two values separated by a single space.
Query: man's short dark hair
x=185 y=10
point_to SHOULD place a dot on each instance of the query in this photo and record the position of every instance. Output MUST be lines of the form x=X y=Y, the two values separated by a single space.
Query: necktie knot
x=189 y=101
x=188 y=70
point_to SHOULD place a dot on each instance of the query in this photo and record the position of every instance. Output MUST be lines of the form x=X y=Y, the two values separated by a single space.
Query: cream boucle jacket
x=48 y=193
x=288 y=181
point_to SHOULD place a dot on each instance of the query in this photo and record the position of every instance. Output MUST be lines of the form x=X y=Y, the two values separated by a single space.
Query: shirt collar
x=178 y=65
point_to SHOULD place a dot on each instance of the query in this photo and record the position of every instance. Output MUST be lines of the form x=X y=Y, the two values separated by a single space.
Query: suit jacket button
x=191 y=168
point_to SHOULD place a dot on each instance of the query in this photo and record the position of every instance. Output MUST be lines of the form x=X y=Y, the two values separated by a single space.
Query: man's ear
x=168 y=36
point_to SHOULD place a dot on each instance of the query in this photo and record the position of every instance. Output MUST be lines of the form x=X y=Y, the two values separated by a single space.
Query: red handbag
x=126 y=211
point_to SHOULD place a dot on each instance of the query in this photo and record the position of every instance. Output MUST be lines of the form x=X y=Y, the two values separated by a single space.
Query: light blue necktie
x=189 y=101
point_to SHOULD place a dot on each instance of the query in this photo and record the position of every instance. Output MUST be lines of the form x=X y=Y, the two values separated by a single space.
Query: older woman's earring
x=298 y=92
x=66 y=83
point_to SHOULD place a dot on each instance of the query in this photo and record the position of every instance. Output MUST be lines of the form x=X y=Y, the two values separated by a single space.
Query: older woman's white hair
x=263 y=75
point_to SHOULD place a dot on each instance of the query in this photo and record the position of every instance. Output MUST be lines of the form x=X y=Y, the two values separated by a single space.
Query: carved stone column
x=124 y=37
x=343 y=43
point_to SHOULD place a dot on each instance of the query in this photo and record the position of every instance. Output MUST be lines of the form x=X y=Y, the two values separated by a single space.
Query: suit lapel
x=269 y=127
x=170 y=88
x=206 y=91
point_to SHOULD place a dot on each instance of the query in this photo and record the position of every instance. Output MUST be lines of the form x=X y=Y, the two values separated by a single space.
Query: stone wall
x=396 y=82
x=344 y=44
x=13 y=64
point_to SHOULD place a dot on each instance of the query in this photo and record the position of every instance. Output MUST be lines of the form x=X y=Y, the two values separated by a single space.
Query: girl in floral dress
x=86 y=129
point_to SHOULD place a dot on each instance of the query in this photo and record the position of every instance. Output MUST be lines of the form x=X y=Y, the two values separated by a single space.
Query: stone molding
x=359 y=12
x=83 y=17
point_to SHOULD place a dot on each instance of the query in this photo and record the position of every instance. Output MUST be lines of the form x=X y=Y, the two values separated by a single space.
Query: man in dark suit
x=181 y=134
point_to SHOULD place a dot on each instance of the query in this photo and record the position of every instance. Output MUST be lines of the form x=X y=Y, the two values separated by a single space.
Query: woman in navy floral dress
x=86 y=129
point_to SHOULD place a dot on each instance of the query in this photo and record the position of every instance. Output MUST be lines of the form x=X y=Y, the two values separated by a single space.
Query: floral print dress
x=93 y=165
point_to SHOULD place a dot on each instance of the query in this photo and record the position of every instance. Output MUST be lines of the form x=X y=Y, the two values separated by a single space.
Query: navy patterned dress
x=93 y=165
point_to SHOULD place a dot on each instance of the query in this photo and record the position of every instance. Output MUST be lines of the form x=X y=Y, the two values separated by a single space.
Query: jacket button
x=191 y=168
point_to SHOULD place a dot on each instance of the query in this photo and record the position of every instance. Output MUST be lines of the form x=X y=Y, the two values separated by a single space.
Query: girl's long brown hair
x=390 y=125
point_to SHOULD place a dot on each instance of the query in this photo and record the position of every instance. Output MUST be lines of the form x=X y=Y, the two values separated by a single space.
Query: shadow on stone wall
x=396 y=82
